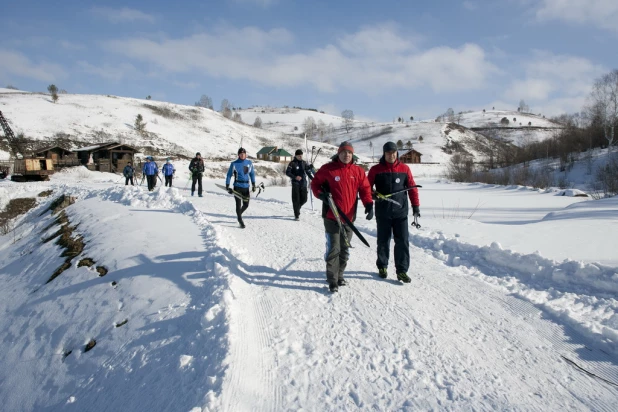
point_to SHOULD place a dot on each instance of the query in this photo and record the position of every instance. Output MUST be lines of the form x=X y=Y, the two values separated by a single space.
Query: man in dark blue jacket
x=298 y=170
x=151 y=170
x=128 y=172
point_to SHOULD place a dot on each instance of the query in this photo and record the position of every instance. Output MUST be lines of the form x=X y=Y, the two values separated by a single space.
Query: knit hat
x=298 y=152
x=345 y=146
x=242 y=150
x=389 y=147
x=198 y=154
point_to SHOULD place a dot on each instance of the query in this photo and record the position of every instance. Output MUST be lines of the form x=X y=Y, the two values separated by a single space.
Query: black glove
x=253 y=187
x=416 y=211
x=369 y=211
x=323 y=196
x=230 y=191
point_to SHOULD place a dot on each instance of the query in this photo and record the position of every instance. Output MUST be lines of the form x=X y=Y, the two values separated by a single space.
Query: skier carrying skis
x=298 y=170
x=243 y=171
x=168 y=172
x=344 y=180
x=128 y=173
x=151 y=170
x=388 y=176
x=197 y=171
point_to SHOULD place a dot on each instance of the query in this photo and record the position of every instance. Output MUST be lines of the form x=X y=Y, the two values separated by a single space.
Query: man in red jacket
x=343 y=180
x=388 y=176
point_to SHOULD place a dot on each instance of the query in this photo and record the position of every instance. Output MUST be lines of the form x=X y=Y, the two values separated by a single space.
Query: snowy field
x=512 y=306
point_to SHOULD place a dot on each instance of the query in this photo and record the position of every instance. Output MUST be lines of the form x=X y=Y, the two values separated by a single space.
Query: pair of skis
x=342 y=219
x=238 y=195
x=387 y=198
x=312 y=159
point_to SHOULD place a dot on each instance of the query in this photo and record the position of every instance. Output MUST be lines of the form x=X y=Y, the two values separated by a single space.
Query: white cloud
x=554 y=82
x=470 y=5
x=355 y=61
x=67 y=45
x=114 y=73
x=123 y=15
x=16 y=64
x=601 y=13
x=261 y=3
x=186 y=85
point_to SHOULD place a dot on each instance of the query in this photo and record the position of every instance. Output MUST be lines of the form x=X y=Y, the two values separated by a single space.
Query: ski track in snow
x=430 y=344
x=264 y=333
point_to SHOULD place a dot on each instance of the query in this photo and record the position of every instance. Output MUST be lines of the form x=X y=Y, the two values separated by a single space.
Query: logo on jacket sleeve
x=337 y=178
x=398 y=180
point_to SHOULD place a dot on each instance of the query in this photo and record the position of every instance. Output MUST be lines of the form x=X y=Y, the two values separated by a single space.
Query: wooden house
x=106 y=157
x=274 y=154
x=59 y=156
x=410 y=156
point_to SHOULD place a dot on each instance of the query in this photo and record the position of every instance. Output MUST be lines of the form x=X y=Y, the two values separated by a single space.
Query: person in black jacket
x=197 y=171
x=298 y=170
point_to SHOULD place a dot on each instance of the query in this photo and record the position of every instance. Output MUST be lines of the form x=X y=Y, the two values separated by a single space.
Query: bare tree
x=205 y=101
x=309 y=126
x=348 y=119
x=321 y=128
x=604 y=99
x=523 y=107
x=237 y=117
x=225 y=104
x=257 y=122
x=53 y=90
x=450 y=115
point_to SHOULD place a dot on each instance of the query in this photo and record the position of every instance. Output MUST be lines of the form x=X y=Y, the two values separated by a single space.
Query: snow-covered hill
x=172 y=129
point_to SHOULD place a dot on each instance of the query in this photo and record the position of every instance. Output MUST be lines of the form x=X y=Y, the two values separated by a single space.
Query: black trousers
x=241 y=205
x=126 y=181
x=299 y=198
x=152 y=181
x=168 y=179
x=398 y=228
x=197 y=178
x=337 y=251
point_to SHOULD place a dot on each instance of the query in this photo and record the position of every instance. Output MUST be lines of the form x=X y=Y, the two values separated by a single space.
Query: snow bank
x=581 y=294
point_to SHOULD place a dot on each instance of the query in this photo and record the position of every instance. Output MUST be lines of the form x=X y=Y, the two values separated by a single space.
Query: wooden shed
x=59 y=156
x=410 y=156
x=106 y=157
x=274 y=154
x=37 y=168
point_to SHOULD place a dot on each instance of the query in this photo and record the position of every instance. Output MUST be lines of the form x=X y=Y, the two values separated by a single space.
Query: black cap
x=298 y=152
x=389 y=147
x=241 y=150
x=198 y=154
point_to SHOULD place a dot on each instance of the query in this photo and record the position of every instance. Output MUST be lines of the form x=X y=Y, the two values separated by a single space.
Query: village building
x=274 y=154
x=410 y=156
x=106 y=157
x=59 y=156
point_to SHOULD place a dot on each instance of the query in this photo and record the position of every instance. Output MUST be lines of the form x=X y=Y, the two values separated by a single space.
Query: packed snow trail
x=447 y=340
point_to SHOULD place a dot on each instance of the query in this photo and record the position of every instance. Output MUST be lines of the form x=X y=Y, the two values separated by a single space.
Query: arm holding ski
x=252 y=176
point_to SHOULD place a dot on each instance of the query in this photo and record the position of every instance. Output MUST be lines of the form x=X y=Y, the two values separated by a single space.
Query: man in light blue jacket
x=243 y=172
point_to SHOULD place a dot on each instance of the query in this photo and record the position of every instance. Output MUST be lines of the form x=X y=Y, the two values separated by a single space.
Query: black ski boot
x=241 y=223
x=382 y=273
x=402 y=276
x=341 y=282
x=333 y=287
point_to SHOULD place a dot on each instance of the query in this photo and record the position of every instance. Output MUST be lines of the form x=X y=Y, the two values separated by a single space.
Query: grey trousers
x=337 y=252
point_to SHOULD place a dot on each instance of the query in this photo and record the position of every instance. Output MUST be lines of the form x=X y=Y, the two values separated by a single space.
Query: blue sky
x=380 y=59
